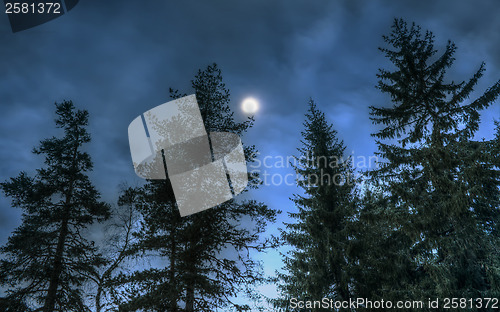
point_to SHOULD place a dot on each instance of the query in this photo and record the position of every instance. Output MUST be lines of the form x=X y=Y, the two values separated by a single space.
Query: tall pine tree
x=442 y=182
x=47 y=259
x=206 y=258
x=317 y=265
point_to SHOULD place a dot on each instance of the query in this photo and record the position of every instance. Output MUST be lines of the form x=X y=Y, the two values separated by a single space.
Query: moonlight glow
x=250 y=106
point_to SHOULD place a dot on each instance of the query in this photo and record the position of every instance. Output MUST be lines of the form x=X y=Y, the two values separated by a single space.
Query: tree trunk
x=98 y=298
x=190 y=298
x=190 y=282
x=50 y=300
x=173 y=293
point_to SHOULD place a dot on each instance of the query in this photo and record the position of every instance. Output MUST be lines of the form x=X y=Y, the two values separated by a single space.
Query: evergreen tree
x=317 y=265
x=47 y=259
x=206 y=258
x=442 y=183
x=380 y=267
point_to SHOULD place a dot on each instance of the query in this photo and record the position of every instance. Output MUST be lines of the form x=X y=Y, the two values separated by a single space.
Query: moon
x=250 y=105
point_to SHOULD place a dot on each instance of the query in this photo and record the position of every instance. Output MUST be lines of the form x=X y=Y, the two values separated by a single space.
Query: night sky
x=119 y=58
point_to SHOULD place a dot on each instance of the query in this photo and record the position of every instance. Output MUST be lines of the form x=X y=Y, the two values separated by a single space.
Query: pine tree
x=317 y=266
x=160 y=234
x=206 y=257
x=442 y=183
x=47 y=259
x=380 y=267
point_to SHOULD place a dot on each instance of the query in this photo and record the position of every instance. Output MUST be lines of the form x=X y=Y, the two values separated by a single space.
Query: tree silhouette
x=47 y=259
x=442 y=182
x=317 y=266
x=206 y=258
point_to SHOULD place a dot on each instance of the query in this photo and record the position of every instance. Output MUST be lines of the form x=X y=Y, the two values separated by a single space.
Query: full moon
x=250 y=105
